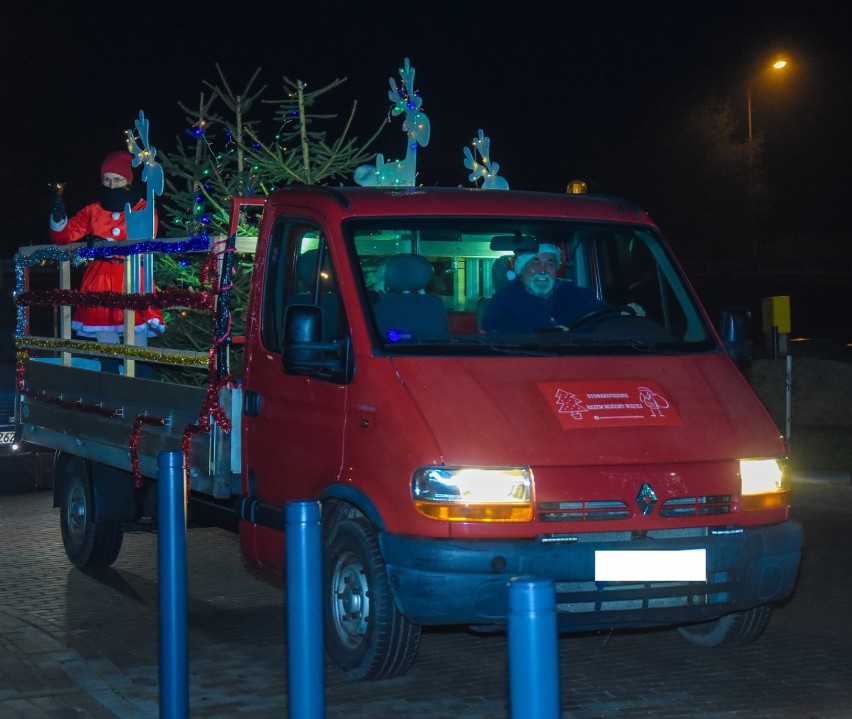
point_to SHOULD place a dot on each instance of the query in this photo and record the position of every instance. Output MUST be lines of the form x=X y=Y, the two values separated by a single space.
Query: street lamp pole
x=750 y=138
x=777 y=65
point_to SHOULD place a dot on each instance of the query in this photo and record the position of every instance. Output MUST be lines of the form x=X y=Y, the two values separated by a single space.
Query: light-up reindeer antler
x=486 y=170
x=416 y=125
x=140 y=224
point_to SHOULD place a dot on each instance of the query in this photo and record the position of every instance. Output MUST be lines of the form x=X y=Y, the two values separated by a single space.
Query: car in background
x=8 y=444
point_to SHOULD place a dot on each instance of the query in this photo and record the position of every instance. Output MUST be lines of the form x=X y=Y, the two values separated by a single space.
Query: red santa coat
x=104 y=275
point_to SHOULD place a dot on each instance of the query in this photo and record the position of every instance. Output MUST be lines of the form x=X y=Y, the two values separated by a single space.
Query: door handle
x=252 y=403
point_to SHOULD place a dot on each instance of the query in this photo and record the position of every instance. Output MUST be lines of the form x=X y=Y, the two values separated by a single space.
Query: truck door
x=293 y=432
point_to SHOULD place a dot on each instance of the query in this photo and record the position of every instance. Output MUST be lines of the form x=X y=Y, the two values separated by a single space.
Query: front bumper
x=438 y=582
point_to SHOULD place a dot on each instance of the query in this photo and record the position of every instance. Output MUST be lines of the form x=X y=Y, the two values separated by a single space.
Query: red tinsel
x=135 y=434
x=209 y=271
x=162 y=299
x=76 y=404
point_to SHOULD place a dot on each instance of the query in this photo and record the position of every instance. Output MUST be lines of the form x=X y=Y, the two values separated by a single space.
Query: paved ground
x=74 y=644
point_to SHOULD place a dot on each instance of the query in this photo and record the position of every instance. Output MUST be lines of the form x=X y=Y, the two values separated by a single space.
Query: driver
x=536 y=298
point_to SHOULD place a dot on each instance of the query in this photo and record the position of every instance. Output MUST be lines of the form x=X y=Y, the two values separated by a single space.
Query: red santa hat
x=118 y=163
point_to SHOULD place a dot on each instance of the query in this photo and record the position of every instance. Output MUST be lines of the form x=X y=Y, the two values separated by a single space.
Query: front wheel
x=88 y=544
x=732 y=629
x=366 y=636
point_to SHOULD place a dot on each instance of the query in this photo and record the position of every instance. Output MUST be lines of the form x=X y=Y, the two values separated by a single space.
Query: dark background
x=565 y=90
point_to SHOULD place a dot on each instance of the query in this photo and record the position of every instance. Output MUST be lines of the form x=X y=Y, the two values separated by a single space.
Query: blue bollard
x=533 y=657
x=304 y=611
x=171 y=555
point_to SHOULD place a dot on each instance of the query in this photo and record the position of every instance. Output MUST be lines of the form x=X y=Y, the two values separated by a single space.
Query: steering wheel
x=600 y=313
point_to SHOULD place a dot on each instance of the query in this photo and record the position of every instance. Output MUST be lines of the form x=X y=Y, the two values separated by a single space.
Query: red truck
x=622 y=455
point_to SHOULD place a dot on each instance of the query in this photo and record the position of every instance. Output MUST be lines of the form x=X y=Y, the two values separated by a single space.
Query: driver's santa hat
x=522 y=259
x=119 y=163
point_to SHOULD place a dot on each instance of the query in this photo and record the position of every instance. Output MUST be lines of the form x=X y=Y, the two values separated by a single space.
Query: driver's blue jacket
x=514 y=309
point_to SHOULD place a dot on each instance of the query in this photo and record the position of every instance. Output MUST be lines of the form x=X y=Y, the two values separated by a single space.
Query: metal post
x=533 y=657
x=171 y=552
x=131 y=285
x=788 y=401
x=304 y=611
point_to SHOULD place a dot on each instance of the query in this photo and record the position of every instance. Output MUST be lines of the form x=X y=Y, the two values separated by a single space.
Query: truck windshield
x=472 y=286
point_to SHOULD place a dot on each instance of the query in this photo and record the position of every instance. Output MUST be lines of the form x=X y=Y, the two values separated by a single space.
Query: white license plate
x=687 y=565
x=7 y=437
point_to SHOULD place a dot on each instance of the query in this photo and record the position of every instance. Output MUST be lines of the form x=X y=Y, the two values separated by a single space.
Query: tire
x=88 y=544
x=366 y=636
x=732 y=629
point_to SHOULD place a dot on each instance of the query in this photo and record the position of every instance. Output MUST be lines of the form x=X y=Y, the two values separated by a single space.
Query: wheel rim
x=76 y=513
x=350 y=601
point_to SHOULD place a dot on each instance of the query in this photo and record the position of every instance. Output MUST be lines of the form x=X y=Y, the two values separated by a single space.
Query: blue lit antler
x=140 y=224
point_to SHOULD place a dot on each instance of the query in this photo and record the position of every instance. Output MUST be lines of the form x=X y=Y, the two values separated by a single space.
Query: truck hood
x=589 y=411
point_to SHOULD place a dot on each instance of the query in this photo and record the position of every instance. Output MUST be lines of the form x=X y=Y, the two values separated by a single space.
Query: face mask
x=113 y=199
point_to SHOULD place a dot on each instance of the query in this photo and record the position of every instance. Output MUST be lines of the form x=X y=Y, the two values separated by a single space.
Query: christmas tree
x=232 y=155
x=242 y=145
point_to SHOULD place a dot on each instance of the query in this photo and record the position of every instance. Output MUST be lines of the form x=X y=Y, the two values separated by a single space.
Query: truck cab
x=620 y=453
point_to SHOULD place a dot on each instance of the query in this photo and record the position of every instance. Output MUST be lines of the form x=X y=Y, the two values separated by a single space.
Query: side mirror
x=304 y=352
x=302 y=334
x=735 y=330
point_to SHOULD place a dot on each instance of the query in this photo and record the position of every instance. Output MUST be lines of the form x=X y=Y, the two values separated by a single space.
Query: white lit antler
x=484 y=169
x=417 y=128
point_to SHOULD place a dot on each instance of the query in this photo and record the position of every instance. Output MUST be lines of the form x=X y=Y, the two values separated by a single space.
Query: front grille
x=696 y=506
x=594 y=597
x=613 y=509
x=582 y=511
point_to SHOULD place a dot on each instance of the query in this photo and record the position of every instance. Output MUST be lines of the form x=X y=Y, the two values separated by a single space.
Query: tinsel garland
x=210 y=268
x=75 y=404
x=78 y=255
x=162 y=299
x=113 y=350
x=135 y=435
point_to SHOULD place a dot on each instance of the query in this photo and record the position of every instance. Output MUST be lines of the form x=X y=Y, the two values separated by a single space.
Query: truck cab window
x=621 y=277
x=295 y=275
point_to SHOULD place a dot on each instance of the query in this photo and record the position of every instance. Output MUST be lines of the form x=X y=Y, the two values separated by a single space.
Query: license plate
x=687 y=565
x=7 y=437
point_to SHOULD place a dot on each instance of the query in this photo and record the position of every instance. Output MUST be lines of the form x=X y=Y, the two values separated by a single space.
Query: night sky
x=564 y=90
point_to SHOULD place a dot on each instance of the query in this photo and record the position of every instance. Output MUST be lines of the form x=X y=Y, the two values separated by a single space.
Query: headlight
x=760 y=476
x=762 y=484
x=474 y=494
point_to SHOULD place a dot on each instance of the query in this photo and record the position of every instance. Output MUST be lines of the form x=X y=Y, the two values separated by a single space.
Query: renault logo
x=646 y=499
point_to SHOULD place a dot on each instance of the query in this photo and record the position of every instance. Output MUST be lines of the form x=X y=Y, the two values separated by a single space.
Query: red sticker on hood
x=610 y=403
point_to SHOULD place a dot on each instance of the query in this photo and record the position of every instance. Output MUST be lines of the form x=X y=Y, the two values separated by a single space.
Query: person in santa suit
x=104 y=219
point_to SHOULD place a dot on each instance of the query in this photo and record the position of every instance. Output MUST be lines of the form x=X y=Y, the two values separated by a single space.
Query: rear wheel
x=366 y=635
x=88 y=544
x=732 y=629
